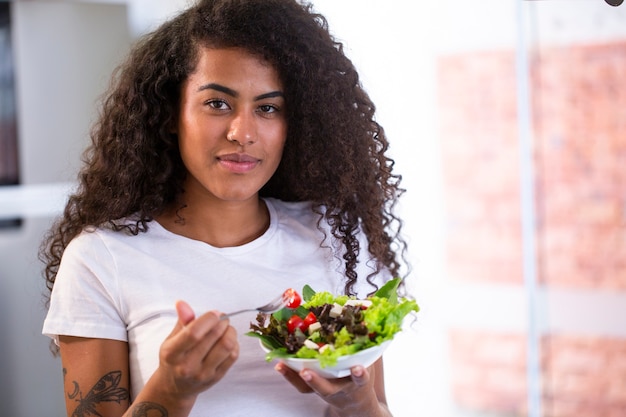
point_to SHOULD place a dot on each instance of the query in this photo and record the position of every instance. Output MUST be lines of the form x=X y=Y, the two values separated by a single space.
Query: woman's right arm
x=197 y=353
x=95 y=376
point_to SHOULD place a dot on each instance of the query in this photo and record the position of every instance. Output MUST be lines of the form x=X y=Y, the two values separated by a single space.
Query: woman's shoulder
x=119 y=230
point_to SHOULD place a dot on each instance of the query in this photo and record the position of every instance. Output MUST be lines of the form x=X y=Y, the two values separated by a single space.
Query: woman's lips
x=238 y=162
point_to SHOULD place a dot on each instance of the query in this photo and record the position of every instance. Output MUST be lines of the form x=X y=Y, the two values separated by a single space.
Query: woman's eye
x=268 y=108
x=217 y=104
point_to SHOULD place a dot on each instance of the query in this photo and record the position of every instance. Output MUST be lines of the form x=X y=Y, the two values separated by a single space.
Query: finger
x=222 y=356
x=360 y=376
x=188 y=335
x=218 y=361
x=219 y=347
x=322 y=386
x=293 y=377
x=202 y=335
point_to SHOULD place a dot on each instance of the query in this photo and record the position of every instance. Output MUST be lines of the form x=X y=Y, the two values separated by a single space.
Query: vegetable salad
x=326 y=327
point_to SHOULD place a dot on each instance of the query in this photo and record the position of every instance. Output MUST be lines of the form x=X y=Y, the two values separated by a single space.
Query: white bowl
x=342 y=368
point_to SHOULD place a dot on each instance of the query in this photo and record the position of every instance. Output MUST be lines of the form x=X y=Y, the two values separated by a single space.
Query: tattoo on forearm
x=107 y=389
x=143 y=410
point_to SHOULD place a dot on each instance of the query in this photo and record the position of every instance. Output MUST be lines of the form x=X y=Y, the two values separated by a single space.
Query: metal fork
x=274 y=305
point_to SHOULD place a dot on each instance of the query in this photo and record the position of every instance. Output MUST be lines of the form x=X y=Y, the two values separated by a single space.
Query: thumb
x=185 y=313
x=185 y=316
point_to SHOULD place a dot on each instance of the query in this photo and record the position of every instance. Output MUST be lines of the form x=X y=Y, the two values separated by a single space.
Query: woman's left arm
x=362 y=394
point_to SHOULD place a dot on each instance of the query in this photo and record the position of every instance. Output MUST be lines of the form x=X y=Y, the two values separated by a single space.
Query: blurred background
x=507 y=119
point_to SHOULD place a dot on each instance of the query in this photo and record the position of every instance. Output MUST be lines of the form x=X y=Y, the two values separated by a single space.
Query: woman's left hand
x=360 y=394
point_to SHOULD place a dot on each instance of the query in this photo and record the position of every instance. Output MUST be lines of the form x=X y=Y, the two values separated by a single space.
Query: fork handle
x=234 y=313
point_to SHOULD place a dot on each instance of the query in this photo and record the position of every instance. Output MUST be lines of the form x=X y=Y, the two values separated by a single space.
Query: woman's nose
x=242 y=130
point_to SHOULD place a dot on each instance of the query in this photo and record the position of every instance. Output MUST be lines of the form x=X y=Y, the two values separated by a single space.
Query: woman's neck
x=220 y=224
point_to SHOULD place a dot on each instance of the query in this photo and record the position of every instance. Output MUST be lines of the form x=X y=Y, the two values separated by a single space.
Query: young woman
x=236 y=156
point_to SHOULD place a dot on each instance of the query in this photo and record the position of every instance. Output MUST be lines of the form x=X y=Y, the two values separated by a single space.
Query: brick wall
x=481 y=162
x=579 y=121
x=489 y=371
x=584 y=376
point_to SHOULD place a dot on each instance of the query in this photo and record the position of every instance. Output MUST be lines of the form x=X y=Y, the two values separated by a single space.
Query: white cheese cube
x=336 y=310
x=311 y=345
x=313 y=327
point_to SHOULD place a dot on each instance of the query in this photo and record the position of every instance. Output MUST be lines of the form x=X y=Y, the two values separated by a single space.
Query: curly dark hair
x=334 y=154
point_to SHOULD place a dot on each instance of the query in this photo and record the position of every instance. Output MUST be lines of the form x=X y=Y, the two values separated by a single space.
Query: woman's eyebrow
x=269 y=95
x=219 y=87
x=233 y=93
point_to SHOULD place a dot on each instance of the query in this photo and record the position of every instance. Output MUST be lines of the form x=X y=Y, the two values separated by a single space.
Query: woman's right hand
x=197 y=353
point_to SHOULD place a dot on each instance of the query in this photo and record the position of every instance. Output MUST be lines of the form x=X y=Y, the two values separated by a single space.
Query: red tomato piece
x=291 y=298
x=295 y=322
x=309 y=319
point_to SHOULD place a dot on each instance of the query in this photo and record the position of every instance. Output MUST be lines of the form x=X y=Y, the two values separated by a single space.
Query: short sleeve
x=84 y=300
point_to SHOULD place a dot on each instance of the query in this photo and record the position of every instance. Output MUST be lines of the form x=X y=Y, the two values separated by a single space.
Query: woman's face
x=231 y=126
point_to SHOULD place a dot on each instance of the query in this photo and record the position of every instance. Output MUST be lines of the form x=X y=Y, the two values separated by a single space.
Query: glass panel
x=480 y=101
x=577 y=66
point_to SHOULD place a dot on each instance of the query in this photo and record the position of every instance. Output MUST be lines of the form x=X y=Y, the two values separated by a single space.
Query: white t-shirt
x=114 y=285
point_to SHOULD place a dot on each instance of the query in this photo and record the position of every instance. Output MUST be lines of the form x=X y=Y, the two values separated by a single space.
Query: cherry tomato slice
x=291 y=298
x=295 y=322
x=309 y=319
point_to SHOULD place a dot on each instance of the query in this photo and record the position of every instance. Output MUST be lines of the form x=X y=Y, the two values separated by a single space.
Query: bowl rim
x=370 y=349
